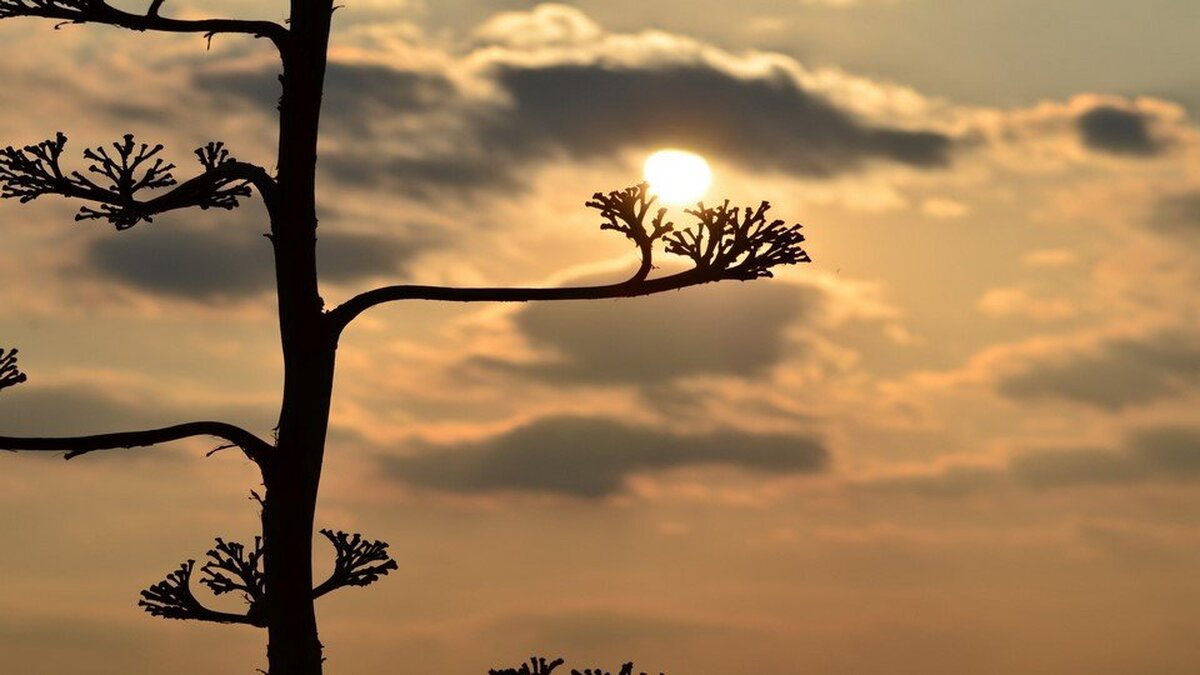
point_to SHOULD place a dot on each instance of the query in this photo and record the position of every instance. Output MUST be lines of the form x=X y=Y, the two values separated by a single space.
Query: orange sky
x=963 y=440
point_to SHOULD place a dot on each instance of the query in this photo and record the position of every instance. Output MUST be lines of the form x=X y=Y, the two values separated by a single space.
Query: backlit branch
x=10 y=375
x=625 y=211
x=97 y=11
x=738 y=243
x=727 y=243
x=172 y=598
x=254 y=447
x=116 y=176
x=359 y=562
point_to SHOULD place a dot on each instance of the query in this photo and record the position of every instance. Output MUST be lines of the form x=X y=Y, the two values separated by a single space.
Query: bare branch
x=124 y=171
x=10 y=375
x=359 y=562
x=727 y=243
x=172 y=598
x=97 y=11
x=254 y=447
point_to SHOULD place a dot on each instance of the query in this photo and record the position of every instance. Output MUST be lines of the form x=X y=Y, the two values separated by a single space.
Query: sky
x=962 y=440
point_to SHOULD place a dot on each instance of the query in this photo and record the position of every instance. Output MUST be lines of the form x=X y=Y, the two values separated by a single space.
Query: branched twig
x=232 y=568
x=359 y=562
x=733 y=243
x=536 y=666
x=10 y=375
x=124 y=172
x=172 y=598
x=625 y=211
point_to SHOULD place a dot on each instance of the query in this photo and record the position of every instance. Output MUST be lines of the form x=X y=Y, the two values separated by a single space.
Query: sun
x=677 y=177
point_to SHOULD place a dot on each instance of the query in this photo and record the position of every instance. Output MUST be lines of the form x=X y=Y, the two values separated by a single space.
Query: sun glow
x=677 y=177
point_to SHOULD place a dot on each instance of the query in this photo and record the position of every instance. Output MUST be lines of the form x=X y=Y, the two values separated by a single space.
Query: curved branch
x=343 y=314
x=254 y=447
x=97 y=11
x=172 y=598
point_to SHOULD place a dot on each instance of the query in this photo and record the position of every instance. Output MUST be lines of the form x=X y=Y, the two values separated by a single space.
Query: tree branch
x=124 y=170
x=172 y=598
x=727 y=243
x=342 y=315
x=254 y=447
x=97 y=11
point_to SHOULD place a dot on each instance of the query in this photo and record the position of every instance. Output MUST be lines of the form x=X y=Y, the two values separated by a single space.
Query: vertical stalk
x=292 y=474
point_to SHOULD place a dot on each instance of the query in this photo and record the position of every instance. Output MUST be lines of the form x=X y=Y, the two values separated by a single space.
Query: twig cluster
x=539 y=666
x=230 y=567
x=233 y=568
x=10 y=375
x=625 y=211
x=735 y=243
x=122 y=173
x=360 y=562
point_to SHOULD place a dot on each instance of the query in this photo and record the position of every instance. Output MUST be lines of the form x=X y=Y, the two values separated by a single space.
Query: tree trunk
x=292 y=474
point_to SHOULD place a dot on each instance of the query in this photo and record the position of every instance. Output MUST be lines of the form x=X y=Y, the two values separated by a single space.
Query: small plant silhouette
x=128 y=183
x=539 y=666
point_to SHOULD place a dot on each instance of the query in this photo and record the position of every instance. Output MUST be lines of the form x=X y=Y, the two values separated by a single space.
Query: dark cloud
x=1118 y=131
x=355 y=93
x=1172 y=450
x=765 y=123
x=582 y=112
x=1118 y=374
x=212 y=265
x=725 y=329
x=1177 y=214
x=1152 y=453
x=1087 y=466
x=592 y=458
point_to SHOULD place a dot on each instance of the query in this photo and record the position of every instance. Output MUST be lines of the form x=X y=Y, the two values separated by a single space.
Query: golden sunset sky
x=963 y=441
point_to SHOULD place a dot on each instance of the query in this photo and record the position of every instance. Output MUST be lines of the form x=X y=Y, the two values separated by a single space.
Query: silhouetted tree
x=130 y=182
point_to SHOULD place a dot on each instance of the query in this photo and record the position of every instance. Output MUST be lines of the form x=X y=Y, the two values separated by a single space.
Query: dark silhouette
x=130 y=183
x=539 y=666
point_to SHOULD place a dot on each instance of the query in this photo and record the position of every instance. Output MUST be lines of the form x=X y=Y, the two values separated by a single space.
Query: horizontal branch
x=342 y=315
x=120 y=172
x=97 y=11
x=252 y=445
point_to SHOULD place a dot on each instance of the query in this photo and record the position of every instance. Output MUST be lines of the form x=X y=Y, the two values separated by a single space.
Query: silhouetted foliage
x=539 y=666
x=128 y=182
x=10 y=375
x=734 y=243
x=359 y=562
x=123 y=172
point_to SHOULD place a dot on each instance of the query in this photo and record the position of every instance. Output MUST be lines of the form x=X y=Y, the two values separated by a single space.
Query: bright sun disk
x=677 y=177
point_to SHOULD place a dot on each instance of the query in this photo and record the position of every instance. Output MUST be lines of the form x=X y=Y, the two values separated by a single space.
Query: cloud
x=1166 y=453
x=761 y=122
x=724 y=329
x=1177 y=214
x=591 y=458
x=356 y=93
x=1116 y=374
x=215 y=265
x=550 y=83
x=1118 y=131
